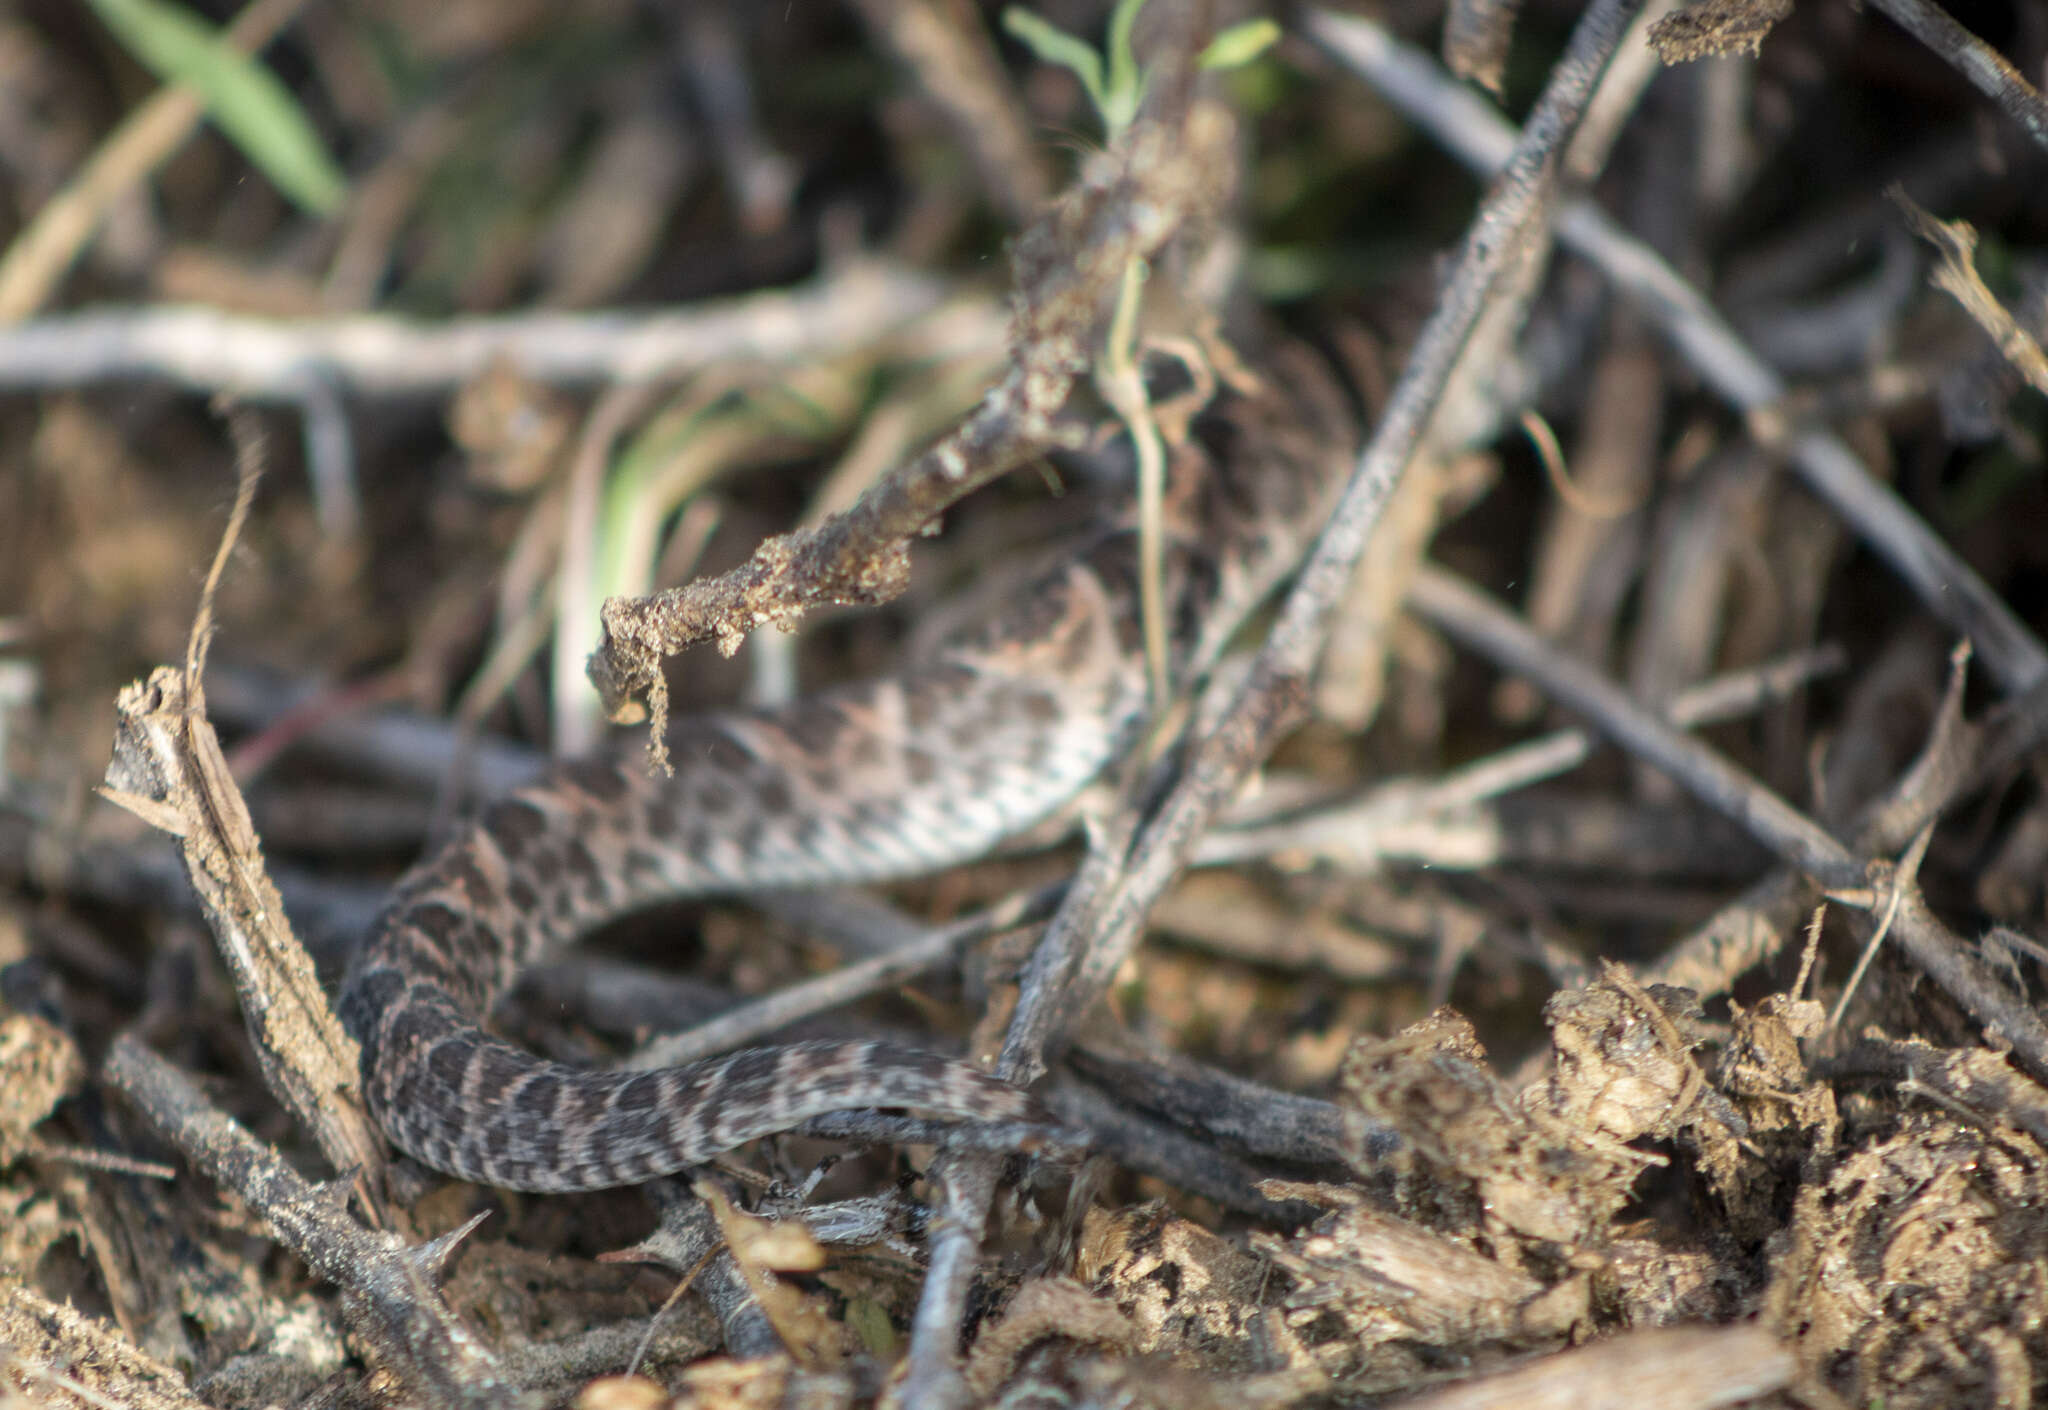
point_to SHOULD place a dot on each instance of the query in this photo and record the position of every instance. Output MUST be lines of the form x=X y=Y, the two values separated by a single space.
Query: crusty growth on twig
x=1132 y=199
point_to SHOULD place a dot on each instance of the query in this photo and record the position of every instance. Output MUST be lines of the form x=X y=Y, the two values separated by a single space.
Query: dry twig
x=1100 y=921
x=167 y=769
x=389 y=1285
x=1068 y=268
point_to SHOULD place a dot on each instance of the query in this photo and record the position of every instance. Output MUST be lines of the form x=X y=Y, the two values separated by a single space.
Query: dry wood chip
x=1477 y=1151
x=1390 y=1281
x=1187 y=1291
x=763 y=1247
x=722 y=1383
x=1714 y=28
x=623 y=1393
x=1917 y=1271
x=39 y=1067
x=1690 y=1369
x=53 y=1354
x=1789 y=1118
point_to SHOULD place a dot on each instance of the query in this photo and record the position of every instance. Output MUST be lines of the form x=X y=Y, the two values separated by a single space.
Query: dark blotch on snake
x=514 y=824
x=600 y=780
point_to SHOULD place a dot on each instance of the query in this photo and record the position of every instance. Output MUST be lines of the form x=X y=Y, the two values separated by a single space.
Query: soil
x=1473 y=1061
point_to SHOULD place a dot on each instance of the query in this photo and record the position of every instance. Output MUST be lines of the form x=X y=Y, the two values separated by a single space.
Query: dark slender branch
x=1276 y=692
x=1171 y=1153
x=1275 y=695
x=926 y=950
x=1466 y=615
x=1229 y=1111
x=1796 y=839
x=388 y=1285
x=1986 y=69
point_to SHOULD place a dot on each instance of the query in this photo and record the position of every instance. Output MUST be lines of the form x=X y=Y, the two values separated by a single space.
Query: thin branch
x=1276 y=693
x=1468 y=617
x=926 y=949
x=1796 y=839
x=1986 y=69
x=1069 y=266
x=1348 y=828
x=389 y=1286
x=269 y=359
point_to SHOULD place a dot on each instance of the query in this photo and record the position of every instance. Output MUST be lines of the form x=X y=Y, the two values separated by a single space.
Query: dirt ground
x=1611 y=973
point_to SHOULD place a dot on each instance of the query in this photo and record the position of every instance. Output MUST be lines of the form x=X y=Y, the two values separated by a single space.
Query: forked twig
x=1069 y=266
x=1275 y=694
x=168 y=770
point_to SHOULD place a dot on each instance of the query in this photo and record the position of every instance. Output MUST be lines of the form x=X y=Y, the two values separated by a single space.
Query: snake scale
x=879 y=780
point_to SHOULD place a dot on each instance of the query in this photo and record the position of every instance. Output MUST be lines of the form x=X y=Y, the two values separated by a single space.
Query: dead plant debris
x=1468 y=1066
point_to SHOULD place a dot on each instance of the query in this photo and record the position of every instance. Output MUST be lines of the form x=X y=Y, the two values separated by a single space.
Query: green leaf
x=1124 y=87
x=1240 y=44
x=870 y=1322
x=245 y=100
x=1055 y=46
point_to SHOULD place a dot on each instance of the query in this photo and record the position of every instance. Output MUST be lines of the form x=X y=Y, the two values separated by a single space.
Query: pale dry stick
x=35 y=263
x=956 y=65
x=1797 y=841
x=1347 y=827
x=387 y=355
x=1987 y=70
x=1946 y=586
x=1680 y=1368
x=168 y=770
x=927 y=948
x=1073 y=965
x=1135 y=198
x=1904 y=875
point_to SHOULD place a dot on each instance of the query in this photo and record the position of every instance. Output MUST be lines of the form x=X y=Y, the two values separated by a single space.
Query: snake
x=985 y=736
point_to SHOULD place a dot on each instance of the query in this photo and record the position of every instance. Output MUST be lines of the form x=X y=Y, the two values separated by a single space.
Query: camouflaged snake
x=880 y=780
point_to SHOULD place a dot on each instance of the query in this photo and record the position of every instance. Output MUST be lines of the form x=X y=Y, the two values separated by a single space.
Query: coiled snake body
x=877 y=781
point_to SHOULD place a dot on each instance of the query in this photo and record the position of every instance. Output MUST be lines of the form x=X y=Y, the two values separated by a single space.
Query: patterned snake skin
x=878 y=781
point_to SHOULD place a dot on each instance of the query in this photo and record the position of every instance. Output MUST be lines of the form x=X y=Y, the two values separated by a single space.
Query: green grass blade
x=1240 y=44
x=245 y=100
x=1055 y=46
